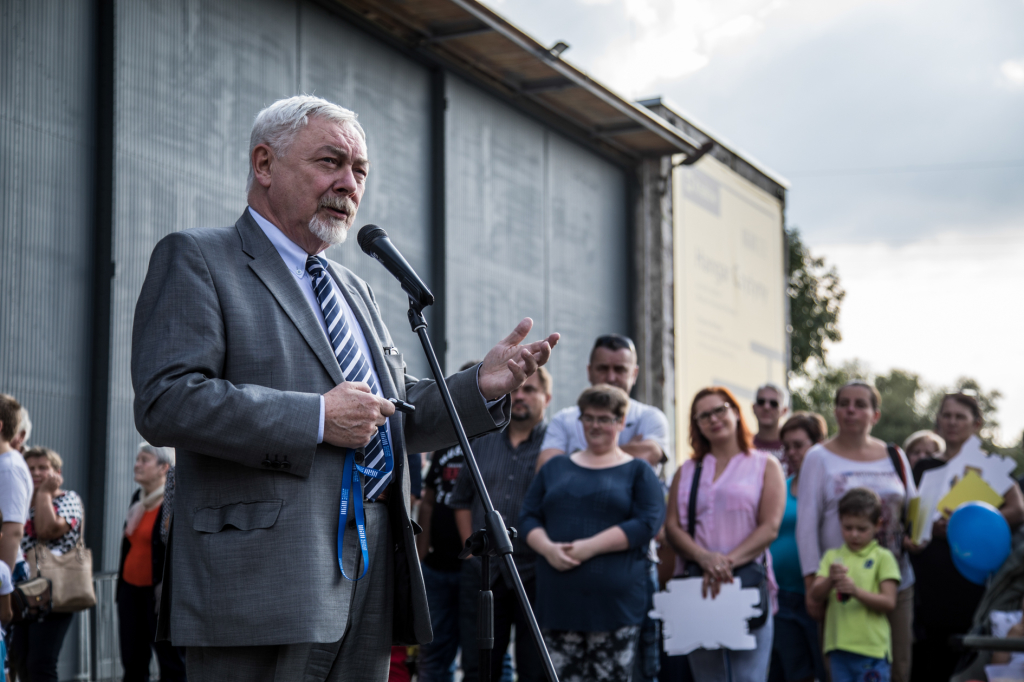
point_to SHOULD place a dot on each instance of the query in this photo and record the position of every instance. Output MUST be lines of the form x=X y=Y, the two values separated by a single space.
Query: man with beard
x=507 y=461
x=270 y=369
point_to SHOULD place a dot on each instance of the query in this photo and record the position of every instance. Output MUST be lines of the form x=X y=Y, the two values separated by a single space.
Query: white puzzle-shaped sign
x=690 y=621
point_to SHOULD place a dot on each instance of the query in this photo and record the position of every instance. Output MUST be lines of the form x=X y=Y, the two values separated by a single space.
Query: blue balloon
x=979 y=539
x=972 y=574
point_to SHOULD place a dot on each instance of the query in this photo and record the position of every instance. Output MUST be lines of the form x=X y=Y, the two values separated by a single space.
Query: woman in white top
x=854 y=459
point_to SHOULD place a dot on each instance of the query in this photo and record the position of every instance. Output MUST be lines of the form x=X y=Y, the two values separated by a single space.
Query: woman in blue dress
x=591 y=516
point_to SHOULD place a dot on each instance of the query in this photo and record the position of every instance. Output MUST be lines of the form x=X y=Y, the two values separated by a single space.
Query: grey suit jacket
x=228 y=362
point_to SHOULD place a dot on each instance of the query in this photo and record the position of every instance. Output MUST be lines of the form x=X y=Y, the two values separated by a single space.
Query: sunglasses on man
x=761 y=402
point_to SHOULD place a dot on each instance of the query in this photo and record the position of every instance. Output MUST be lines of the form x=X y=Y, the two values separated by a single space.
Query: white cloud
x=1012 y=73
x=666 y=40
x=944 y=307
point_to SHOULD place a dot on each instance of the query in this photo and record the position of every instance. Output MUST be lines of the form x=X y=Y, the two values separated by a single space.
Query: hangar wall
x=535 y=227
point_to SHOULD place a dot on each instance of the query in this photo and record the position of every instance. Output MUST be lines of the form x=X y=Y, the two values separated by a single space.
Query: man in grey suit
x=269 y=369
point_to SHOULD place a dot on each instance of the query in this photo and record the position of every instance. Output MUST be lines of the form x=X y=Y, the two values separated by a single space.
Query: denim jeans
x=851 y=667
x=725 y=665
x=36 y=645
x=437 y=659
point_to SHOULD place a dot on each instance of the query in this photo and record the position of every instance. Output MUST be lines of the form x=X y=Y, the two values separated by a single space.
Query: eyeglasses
x=761 y=402
x=590 y=420
x=717 y=413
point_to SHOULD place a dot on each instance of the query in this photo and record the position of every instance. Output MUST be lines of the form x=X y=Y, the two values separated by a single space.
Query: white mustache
x=338 y=203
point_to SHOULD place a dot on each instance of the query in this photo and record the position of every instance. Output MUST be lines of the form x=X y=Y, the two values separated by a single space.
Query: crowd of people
x=816 y=522
x=36 y=511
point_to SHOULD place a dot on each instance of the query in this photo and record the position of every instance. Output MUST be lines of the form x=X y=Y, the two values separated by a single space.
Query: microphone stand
x=493 y=539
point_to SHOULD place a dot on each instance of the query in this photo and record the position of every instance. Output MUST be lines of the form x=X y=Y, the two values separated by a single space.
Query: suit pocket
x=240 y=515
x=396 y=365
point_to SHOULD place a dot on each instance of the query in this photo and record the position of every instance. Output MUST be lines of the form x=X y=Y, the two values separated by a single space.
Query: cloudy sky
x=900 y=124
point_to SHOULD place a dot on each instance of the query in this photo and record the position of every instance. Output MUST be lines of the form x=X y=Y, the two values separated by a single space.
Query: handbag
x=751 y=574
x=32 y=600
x=70 y=574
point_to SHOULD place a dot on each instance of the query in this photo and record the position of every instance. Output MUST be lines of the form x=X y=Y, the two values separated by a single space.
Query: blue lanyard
x=351 y=485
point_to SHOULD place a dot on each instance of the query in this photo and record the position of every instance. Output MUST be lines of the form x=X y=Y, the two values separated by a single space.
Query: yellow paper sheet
x=913 y=511
x=970 y=488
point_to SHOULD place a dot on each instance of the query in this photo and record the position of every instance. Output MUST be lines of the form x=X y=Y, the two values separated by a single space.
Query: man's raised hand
x=507 y=366
x=352 y=414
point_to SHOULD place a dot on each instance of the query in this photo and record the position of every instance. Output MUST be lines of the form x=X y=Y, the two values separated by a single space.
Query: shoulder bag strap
x=897 y=463
x=691 y=510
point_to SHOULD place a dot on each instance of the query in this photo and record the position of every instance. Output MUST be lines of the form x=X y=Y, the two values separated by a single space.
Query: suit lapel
x=270 y=268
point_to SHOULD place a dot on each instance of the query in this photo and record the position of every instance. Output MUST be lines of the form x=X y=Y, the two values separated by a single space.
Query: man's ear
x=262 y=161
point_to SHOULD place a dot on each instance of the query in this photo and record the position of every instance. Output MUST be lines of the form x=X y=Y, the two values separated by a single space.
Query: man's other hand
x=352 y=414
x=507 y=365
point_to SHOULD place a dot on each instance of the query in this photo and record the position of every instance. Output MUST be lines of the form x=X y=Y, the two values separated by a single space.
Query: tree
x=905 y=406
x=815 y=296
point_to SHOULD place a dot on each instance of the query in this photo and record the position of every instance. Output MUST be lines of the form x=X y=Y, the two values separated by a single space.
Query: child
x=859 y=581
x=6 y=614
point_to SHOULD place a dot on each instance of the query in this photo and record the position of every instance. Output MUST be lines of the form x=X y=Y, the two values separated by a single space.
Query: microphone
x=374 y=242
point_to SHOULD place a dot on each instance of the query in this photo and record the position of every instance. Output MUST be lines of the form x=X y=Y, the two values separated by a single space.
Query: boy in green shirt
x=859 y=581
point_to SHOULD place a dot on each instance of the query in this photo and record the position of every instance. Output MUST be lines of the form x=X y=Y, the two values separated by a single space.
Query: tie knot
x=315 y=267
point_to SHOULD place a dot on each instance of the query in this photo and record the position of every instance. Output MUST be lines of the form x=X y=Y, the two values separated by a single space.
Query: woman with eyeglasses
x=853 y=458
x=946 y=601
x=591 y=516
x=741 y=496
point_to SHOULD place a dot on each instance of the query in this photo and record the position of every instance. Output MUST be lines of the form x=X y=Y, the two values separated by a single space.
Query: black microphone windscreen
x=368 y=234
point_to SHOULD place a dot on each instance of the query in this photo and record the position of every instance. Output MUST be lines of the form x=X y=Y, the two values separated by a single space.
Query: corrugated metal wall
x=535 y=227
x=46 y=136
x=46 y=132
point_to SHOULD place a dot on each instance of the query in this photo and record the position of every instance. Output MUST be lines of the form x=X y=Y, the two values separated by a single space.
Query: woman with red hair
x=740 y=496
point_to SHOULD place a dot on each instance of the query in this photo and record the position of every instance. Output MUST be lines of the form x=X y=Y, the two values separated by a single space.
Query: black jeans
x=35 y=648
x=137 y=624
x=529 y=667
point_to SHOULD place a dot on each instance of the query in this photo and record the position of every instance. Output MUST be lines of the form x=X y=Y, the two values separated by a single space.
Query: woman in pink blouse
x=741 y=496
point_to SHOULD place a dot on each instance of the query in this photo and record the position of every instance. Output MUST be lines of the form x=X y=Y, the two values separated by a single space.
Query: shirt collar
x=294 y=256
x=865 y=550
x=534 y=433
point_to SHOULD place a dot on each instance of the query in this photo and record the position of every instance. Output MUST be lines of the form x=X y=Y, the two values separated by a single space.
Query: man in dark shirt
x=507 y=460
x=439 y=546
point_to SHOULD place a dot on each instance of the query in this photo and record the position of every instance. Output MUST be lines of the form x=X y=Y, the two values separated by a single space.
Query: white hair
x=163 y=455
x=925 y=434
x=783 y=393
x=277 y=125
x=24 y=423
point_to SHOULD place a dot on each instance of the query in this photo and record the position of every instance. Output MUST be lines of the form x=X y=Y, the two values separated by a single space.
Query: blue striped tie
x=354 y=365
